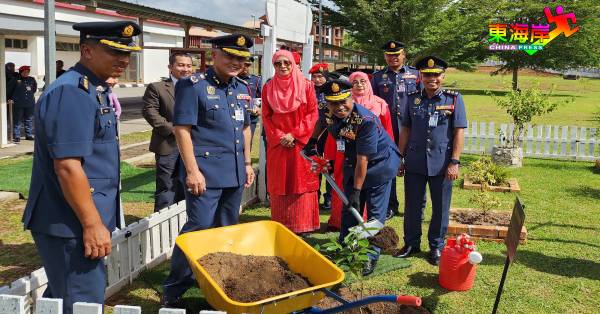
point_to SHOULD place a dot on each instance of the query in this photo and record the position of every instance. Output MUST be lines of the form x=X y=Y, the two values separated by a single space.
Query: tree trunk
x=515 y=75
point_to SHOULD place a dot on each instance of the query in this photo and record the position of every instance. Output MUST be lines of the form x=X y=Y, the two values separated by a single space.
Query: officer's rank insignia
x=127 y=31
x=194 y=79
x=241 y=96
x=417 y=101
x=430 y=63
x=241 y=41
x=392 y=45
x=328 y=120
x=322 y=105
x=356 y=119
x=335 y=87
x=84 y=83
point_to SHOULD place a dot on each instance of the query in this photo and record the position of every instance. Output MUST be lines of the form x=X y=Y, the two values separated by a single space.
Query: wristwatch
x=455 y=161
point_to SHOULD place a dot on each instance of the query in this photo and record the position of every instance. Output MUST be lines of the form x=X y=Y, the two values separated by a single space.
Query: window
x=15 y=43
x=63 y=46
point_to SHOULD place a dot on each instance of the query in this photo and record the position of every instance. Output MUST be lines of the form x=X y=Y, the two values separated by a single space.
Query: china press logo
x=531 y=38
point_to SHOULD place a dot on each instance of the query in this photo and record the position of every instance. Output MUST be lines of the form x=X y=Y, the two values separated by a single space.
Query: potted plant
x=522 y=106
x=485 y=174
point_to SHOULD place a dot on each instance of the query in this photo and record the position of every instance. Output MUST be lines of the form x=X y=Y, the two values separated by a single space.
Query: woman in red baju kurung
x=289 y=109
x=362 y=93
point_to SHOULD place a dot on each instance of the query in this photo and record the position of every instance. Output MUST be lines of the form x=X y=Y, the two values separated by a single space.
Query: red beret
x=319 y=67
x=297 y=57
x=24 y=68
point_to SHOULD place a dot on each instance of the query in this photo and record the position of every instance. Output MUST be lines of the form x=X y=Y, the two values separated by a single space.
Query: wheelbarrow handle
x=337 y=190
x=409 y=300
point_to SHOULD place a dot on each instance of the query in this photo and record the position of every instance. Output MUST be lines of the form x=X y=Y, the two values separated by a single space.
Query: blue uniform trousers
x=440 y=190
x=214 y=208
x=20 y=115
x=169 y=189
x=377 y=199
x=71 y=276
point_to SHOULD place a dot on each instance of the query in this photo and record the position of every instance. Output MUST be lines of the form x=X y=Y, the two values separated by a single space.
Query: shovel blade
x=368 y=229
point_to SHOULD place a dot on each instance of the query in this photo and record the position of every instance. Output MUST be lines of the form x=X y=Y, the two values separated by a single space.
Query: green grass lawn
x=481 y=107
x=557 y=271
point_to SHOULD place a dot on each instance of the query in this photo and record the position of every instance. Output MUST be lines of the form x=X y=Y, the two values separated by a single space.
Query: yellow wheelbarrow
x=269 y=238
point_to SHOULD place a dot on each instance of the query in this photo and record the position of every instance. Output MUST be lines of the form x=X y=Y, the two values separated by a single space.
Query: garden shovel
x=364 y=229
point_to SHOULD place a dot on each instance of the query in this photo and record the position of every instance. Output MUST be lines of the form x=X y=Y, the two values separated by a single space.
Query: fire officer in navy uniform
x=254 y=83
x=431 y=141
x=73 y=203
x=212 y=129
x=319 y=75
x=393 y=84
x=371 y=162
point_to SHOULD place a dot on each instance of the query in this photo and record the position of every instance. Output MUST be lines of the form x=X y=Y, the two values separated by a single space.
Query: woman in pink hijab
x=289 y=107
x=362 y=93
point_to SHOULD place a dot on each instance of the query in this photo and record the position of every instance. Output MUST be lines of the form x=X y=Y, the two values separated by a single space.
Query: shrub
x=485 y=201
x=523 y=106
x=485 y=172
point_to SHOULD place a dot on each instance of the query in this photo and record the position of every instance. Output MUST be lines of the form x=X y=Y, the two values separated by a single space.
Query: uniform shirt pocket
x=212 y=110
x=208 y=152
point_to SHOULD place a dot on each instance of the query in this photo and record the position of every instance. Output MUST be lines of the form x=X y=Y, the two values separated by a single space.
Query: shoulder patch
x=196 y=78
x=84 y=83
x=451 y=92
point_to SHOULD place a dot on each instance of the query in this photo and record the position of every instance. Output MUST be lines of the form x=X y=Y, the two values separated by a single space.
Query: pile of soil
x=481 y=218
x=374 y=308
x=247 y=278
x=387 y=239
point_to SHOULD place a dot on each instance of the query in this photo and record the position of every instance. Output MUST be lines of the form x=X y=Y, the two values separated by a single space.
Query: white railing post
x=48 y=306
x=12 y=304
x=171 y=311
x=126 y=309
x=87 y=308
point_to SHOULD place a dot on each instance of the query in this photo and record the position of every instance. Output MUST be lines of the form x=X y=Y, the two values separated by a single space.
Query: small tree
x=485 y=200
x=523 y=106
x=350 y=255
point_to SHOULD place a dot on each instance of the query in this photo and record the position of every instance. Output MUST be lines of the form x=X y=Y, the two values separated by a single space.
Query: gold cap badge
x=392 y=45
x=430 y=63
x=127 y=31
x=241 y=41
x=321 y=69
x=335 y=87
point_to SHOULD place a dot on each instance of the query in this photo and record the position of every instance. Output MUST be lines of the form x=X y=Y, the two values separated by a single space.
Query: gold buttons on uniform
x=237 y=141
x=92 y=190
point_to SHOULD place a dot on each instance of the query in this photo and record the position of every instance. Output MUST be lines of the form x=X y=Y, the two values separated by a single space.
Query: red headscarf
x=287 y=93
x=375 y=104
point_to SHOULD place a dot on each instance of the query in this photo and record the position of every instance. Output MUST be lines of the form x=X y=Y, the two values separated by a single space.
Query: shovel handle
x=337 y=190
x=409 y=300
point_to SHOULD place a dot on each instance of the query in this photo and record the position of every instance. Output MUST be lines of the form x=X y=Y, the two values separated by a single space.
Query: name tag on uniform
x=341 y=145
x=213 y=97
x=401 y=87
x=244 y=96
x=433 y=119
x=239 y=115
x=104 y=110
x=28 y=88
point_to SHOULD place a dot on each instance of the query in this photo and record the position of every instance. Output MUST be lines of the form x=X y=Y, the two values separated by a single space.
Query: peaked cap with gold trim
x=115 y=35
x=234 y=44
x=336 y=90
x=393 y=47
x=431 y=64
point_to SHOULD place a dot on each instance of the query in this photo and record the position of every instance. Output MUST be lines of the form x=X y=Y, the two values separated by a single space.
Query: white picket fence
x=140 y=246
x=542 y=141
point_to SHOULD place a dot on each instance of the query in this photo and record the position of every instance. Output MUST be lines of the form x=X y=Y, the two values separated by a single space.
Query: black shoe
x=390 y=214
x=171 y=304
x=327 y=204
x=369 y=267
x=29 y=138
x=407 y=251
x=434 y=257
x=16 y=140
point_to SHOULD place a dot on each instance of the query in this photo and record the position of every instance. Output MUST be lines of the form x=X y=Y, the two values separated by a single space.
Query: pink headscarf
x=287 y=93
x=375 y=104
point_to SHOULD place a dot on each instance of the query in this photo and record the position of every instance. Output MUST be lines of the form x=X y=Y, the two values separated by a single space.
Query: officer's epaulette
x=84 y=83
x=195 y=78
x=242 y=81
x=451 y=92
